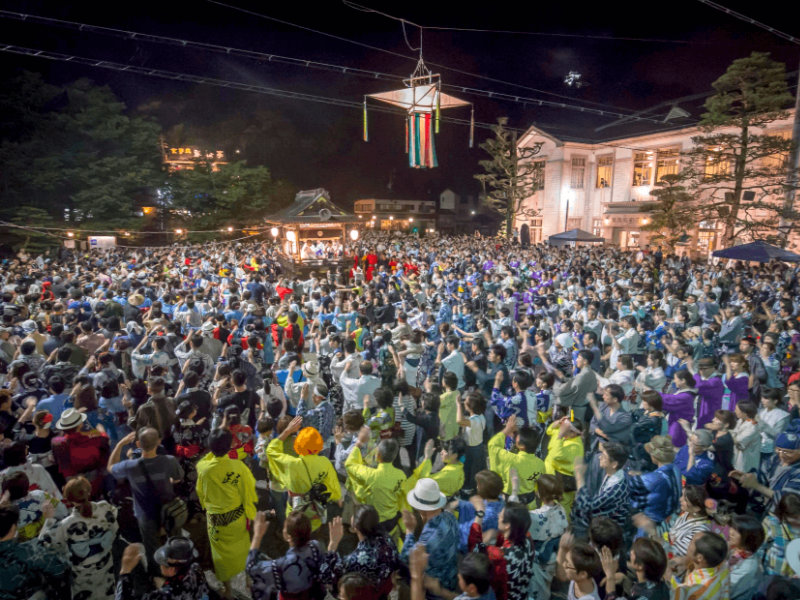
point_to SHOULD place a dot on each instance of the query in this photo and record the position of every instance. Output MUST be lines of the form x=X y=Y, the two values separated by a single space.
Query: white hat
x=426 y=495
x=29 y=326
x=70 y=419
x=208 y=326
x=565 y=341
x=311 y=369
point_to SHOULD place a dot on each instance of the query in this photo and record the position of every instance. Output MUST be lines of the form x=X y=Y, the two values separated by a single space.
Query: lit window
x=642 y=168
x=538 y=174
x=667 y=163
x=717 y=164
x=605 y=167
x=577 y=173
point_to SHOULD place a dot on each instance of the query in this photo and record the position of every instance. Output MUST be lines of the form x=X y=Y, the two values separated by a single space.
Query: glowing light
x=411 y=219
x=606 y=221
x=645 y=221
x=179 y=231
x=291 y=236
x=472 y=212
x=230 y=229
x=391 y=217
x=354 y=234
x=70 y=234
x=274 y=232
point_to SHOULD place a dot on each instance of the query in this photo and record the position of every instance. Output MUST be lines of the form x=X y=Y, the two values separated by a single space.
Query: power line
x=367 y=9
x=227 y=50
x=405 y=56
x=746 y=19
x=253 y=55
x=188 y=78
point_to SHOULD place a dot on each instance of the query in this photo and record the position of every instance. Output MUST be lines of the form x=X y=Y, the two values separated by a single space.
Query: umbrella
x=758 y=251
x=574 y=235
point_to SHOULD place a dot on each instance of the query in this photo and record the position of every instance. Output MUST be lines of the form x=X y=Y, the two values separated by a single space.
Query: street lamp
x=291 y=236
x=179 y=231
x=230 y=229
x=354 y=234
x=274 y=232
x=70 y=234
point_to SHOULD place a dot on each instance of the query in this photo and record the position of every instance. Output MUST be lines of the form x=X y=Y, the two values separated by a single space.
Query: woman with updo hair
x=375 y=556
x=86 y=537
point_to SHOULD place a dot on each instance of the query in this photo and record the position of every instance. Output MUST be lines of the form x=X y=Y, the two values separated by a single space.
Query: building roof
x=312 y=206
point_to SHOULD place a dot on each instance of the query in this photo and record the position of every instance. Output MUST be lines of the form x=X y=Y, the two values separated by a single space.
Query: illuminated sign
x=186 y=153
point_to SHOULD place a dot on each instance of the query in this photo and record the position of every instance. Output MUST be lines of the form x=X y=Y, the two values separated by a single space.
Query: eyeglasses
x=784 y=451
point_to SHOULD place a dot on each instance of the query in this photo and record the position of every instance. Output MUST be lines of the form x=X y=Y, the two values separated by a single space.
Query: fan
x=324 y=214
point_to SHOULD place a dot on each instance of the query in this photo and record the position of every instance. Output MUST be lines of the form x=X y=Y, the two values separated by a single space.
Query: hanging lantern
x=423 y=101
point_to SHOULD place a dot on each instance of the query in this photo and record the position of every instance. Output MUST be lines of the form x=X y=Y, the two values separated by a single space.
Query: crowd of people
x=441 y=417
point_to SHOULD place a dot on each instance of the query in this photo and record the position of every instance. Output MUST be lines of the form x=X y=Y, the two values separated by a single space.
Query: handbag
x=173 y=513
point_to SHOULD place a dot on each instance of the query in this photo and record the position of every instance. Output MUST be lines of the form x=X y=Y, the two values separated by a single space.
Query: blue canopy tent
x=758 y=251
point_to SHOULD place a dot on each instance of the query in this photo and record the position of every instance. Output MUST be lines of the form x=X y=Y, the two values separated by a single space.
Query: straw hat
x=661 y=449
x=70 y=419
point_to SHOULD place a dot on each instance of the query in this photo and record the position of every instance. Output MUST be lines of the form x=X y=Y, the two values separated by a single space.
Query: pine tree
x=511 y=175
x=739 y=172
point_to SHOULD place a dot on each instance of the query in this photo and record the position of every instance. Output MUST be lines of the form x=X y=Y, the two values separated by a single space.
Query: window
x=597 y=227
x=605 y=167
x=717 y=164
x=668 y=162
x=642 y=168
x=538 y=174
x=536 y=231
x=577 y=173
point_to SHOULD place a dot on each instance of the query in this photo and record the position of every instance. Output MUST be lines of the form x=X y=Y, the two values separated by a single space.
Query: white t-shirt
x=474 y=432
x=572 y=594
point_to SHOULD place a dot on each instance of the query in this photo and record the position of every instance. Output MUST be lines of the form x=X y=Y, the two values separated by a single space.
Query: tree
x=672 y=213
x=74 y=153
x=511 y=174
x=235 y=194
x=740 y=172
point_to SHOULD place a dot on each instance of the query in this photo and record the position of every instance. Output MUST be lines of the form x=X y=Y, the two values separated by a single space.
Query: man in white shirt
x=354 y=389
x=454 y=360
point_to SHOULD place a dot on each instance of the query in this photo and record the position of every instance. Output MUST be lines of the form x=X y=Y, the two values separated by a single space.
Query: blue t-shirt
x=147 y=502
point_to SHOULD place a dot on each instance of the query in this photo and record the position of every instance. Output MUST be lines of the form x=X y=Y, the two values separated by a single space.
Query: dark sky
x=318 y=145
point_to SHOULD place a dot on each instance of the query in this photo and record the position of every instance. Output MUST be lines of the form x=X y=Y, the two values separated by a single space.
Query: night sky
x=319 y=145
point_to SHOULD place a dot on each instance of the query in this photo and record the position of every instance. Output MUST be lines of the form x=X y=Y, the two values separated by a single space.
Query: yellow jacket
x=561 y=453
x=293 y=471
x=528 y=466
x=384 y=486
x=224 y=484
x=447 y=415
x=450 y=478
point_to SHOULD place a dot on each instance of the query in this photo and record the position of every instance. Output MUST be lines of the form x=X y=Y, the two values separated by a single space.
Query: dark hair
x=696 y=495
x=528 y=439
x=586 y=355
x=450 y=379
x=549 y=488
x=149 y=438
x=616 y=391
x=749 y=409
x=712 y=547
x=78 y=492
x=353 y=420
x=616 y=453
x=16 y=484
x=14 y=455
x=750 y=530
x=516 y=515
x=488 y=484
x=456 y=446
x=232 y=414
x=726 y=416
x=430 y=402
x=476 y=402
x=686 y=377
x=367 y=521
x=191 y=379
x=499 y=350
x=788 y=506
x=298 y=527
x=219 y=442
x=585 y=559
x=9 y=517
x=384 y=397
x=365 y=367
x=653 y=399
x=354 y=585
x=475 y=569
x=547 y=379
x=239 y=378
x=605 y=532
x=651 y=557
